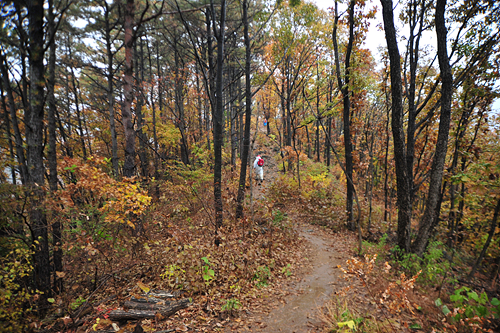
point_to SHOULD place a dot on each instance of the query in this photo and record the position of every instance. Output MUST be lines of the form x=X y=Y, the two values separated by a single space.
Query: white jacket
x=255 y=165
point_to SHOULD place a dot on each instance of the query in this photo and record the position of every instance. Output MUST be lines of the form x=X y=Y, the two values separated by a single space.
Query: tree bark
x=128 y=90
x=34 y=141
x=23 y=170
x=164 y=307
x=111 y=96
x=343 y=83
x=141 y=135
x=491 y=232
x=248 y=115
x=75 y=89
x=179 y=100
x=427 y=221
x=8 y=136
x=403 y=189
x=57 y=257
x=219 y=114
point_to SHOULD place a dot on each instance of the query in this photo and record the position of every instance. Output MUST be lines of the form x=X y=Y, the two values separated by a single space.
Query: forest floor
x=305 y=287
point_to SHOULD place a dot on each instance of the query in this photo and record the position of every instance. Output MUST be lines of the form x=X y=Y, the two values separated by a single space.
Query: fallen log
x=145 y=306
x=164 y=294
x=146 y=313
x=156 y=296
x=146 y=299
x=131 y=314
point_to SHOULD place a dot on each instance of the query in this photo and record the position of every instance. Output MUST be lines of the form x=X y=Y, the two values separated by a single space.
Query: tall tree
x=218 y=112
x=34 y=141
x=343 y=83
x=428 y=219
x=128 y=90
x=109 y=26
x=248 y=115
x=403 y=188
x=52 y=151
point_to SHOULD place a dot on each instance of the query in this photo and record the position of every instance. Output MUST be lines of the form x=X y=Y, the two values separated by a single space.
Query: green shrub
x=262 y=276
x=14 y=295
x=432 y=264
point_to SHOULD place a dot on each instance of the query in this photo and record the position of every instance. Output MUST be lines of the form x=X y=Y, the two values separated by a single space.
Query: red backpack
x=260 y=162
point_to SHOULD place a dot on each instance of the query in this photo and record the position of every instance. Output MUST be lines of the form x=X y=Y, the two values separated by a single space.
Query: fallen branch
x=131 y=315
x=136 y=314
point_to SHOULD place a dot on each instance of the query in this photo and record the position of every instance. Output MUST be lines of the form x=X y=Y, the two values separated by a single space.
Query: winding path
x=299 y=313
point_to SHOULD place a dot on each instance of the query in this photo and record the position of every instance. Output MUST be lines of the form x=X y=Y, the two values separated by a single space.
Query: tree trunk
x=128 y=90
x=52 y=154
x=111 y=96
x=34 y=141
x=8 y=136
x=414 y=42
x=143 y=156
x=219 y=114
x=427 y=221
x=233 y=98
x=317 y=145
x=343 y=83
x=179 y=101
x=248 y=114
x=15 y=124
x=386 y=155
x=491 y=232
x=403 y=189
x=76 y=97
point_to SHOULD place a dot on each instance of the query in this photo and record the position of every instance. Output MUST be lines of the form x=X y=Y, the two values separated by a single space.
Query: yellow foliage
x=168 y=134
x=13 y=295
x=119 y=201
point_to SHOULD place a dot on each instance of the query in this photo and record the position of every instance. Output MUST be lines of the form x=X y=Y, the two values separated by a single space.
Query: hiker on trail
x=258 y=165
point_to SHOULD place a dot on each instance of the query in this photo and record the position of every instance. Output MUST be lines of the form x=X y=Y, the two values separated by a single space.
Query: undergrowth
x=399 y=287
x=123 y=239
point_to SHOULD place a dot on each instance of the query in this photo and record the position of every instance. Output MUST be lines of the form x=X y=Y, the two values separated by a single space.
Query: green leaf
x=349 y=324
x=438 y=302
x=473 y=295
x=482 y=310
x=457 y=298
x=495 y=301
x=51 y=300
x=415 y=326
x=445 y=310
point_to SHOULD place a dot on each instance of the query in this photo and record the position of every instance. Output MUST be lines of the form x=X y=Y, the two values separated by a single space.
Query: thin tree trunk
x=52 y=154
x=233 y=115
x=76 y=99
x=128 y=90
x=111 y=96
x=493 y=227
x=143 y=156
x=219 y=115
x=248 y=115
x=343 y=83
x=8 y=136
x=427 y=221
x=23 y=170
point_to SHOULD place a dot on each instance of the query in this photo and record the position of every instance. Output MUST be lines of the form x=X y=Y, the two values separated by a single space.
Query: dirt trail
x=299 y=313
